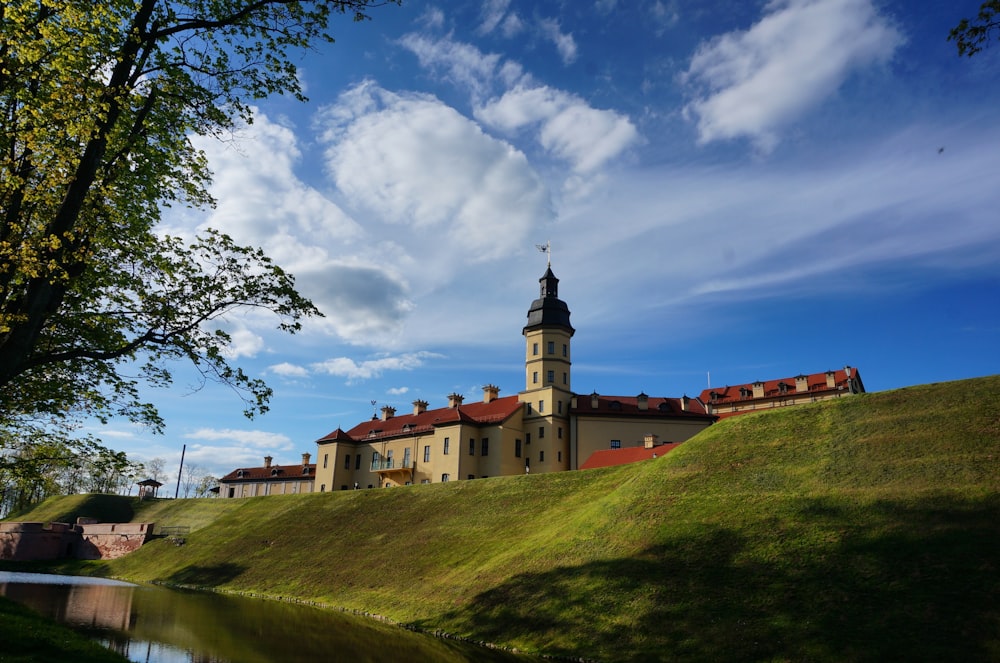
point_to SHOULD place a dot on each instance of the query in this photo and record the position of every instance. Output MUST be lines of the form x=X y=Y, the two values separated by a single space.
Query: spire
x=548 y=310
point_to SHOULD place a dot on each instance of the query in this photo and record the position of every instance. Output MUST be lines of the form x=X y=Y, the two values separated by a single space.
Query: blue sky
x=733 y=190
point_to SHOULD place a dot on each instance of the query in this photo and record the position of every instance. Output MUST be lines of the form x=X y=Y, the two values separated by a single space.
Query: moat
x=160 y=625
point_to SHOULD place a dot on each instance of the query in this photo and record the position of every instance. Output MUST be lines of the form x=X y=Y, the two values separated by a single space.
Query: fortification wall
x=85 y=540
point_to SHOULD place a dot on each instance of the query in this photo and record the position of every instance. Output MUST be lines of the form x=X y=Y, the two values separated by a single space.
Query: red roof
x=772 y=388
x=629 y=406
x=612 y=457
x=478 y=413
x=273 y=473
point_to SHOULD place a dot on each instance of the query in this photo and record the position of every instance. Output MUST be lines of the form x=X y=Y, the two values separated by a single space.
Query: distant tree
x=205 y=485
x=99 y=100
x=971 y=36
x=154 y=469
x=189 y=478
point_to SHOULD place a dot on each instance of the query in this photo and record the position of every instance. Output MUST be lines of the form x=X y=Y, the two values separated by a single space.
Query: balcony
x=390 y=467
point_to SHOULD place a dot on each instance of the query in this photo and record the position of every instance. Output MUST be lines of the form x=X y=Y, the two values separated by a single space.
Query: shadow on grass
x=206 y=576
x=915 y=581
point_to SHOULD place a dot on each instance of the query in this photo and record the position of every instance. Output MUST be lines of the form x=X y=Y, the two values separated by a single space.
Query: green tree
x=99 y=101
x=972 y=36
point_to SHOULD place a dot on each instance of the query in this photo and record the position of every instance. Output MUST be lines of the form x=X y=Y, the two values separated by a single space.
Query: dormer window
x=615 y=405
x=239 y=474
x=274 y=472
x=663 y=407
x=713 y=396
x=744 y=392
x=305 y=470
x=782 y=388
x=374 y=432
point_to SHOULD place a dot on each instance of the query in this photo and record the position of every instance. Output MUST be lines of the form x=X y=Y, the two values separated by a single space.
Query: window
x=565 y=378
x=541 y=456
x=388 y=459
x=541 y=432
x=527 y=438
x=517 y=448
x=559 y=435
x=425 y=481
x=375 y=460
x=616 y=444
x=534 y=348
x=541 y=406
x=357 y=462
x=427 y=453
x=552 y=347
x=559 y=406
x=559 y=456
x=472 y=476
x=565 y=350
x=447 y=444
x=325 y=458
x=322 y=488
x=472 y=446
x=527 y=407
x=445 y=478
x=347 y=462
x=486 y=446
x=550 y=376
x=406 y=457
x=534 y=377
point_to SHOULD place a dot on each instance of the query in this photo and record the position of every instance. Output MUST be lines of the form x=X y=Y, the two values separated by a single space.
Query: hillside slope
x=860 y=529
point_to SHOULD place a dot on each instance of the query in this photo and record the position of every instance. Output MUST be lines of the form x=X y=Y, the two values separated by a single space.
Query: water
x=159 y=625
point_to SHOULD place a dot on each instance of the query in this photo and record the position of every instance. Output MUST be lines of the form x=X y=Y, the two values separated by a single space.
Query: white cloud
x=418 y=163
x=564 y=42
x=289 y=370
x=461 y=63
x=246 y=438
x=568 y=127
x=493 y=14
x=397 y=391
x=752 y=83
x=243 y=343
x=371 y=368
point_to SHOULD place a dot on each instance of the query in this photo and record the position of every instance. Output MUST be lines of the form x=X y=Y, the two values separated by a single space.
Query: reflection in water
x=160 y=625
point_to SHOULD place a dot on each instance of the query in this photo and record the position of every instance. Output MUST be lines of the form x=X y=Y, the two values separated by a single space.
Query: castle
x=544 y=428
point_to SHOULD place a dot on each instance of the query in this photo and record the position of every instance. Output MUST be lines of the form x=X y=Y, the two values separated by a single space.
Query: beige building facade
x=546 y=427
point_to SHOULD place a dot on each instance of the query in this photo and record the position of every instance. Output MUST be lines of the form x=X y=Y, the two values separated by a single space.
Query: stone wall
x=84 y=540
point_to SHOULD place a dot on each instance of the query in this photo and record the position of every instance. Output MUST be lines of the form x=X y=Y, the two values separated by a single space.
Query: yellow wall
x=595 y=433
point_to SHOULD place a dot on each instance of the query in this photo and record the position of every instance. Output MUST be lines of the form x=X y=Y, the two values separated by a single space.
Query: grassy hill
x=861 y=529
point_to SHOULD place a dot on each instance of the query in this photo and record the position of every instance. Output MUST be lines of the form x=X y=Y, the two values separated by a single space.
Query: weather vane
x=546 y=248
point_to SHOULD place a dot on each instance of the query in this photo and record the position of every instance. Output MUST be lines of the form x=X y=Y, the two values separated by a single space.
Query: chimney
x=419 y=407
x=490 y=393
x=305 y=459
x=454 y=400
x=685 y=402
x=802 y=383
x=758 y=389
x=650 y=440
x=642 y=400
x=593 y=401
x=267 y=461
x=831 y=379
x=388 y=412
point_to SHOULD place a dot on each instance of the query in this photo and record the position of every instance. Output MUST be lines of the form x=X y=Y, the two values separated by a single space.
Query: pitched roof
x=273 y=473
x=478 y=413
x=628 y=406
x=612 y=457
x=817 y=384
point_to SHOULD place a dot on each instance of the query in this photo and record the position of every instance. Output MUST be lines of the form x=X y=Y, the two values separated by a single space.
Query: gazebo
x=148 y=488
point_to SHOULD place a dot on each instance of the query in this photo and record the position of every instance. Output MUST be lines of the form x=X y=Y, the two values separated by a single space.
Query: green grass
x=861 y=529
